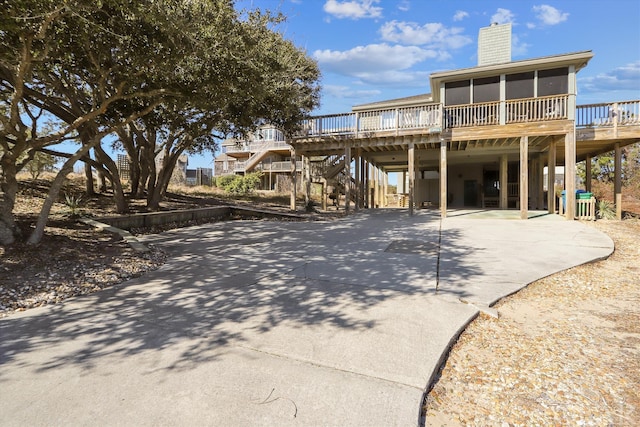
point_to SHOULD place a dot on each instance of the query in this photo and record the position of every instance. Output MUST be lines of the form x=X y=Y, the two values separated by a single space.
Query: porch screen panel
x=486 y=90
x=456 y=93
x=519 y=85
x=553 y=82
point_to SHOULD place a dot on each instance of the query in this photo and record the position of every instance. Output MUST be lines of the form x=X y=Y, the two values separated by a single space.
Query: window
x=553 y=82
x=519 y=85
x=486 y=90
x=456 y=93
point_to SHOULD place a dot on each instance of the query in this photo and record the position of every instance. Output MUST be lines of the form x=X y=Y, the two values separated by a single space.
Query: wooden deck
x=496 y=126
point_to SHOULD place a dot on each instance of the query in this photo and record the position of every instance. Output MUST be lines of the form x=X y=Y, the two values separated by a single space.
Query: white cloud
x=503 y=16
x=404 y=6
x=353 y=9
x=625 y=78
x=338 y=91
x=372 y=58
x=460 y=15
x=549 y=15
x=397 y=78
x=380 y=64
x=434 y=35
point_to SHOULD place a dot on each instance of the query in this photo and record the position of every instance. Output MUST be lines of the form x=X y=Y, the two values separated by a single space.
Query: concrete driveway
x=278 y=323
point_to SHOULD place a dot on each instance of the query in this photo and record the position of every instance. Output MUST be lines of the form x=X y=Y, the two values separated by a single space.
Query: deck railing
x=257 y=146
x=435 y=117
x=357 y=124
x=278 y=166
x=608 y=114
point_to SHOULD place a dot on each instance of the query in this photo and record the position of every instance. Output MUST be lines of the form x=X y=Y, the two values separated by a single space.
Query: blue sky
x=370 y=50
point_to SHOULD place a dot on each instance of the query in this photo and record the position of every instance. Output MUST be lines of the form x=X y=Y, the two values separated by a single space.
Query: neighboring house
x=265 y=150
x=483 y=138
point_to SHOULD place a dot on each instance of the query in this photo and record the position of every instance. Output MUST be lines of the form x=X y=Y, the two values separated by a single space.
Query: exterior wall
x=457 y=175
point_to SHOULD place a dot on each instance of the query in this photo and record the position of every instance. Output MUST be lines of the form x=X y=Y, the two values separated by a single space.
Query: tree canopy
x=173 y=75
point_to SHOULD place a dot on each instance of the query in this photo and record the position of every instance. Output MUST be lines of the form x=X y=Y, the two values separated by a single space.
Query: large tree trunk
x=52 y=196
x=164 y=177
x=88 y=174
x=118 y=192
x=8 y=191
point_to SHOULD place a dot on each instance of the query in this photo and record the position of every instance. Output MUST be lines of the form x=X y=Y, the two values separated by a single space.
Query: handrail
x=435 y=117
x=608 y=114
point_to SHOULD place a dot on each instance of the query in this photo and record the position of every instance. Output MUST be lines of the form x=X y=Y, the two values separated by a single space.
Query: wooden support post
x=347 y=179
x=293 y=180
x=443 y=178
x=358 y=180
x=540 y=183
x=324 y=194
x=524 y=177
x=504 y=176
x=551 y=178
x=306 y=167
x=368 y=199
x=617 y=181
x=570 y=174
x=412 y=175
x=385 y=188
x=363 y=187
x=587 y=170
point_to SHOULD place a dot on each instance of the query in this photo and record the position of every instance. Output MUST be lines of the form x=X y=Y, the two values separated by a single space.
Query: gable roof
x=397 y=102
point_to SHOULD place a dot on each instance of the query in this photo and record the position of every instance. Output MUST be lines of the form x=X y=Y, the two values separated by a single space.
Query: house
x=266 y=151
x=483 y=137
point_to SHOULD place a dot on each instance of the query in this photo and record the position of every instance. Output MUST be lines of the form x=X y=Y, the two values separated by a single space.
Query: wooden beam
x=504 y=192
x=524 y=177
x=292 y=204
x=551 y=177
x=540 y=182
x=306 y=167
x=347 y=173
x=443 y=178
x=570 y=174
x=412 y=176
x=358 y=179
x=617 y=182
x=588 y=178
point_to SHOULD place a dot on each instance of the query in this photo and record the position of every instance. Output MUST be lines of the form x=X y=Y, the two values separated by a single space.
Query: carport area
x=279 y=323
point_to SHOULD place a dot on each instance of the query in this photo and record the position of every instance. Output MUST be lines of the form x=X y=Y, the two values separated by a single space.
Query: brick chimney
x=494 y=44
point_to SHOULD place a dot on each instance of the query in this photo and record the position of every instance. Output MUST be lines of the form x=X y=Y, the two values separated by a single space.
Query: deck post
x=306 y=167
x=570 y=174
x=540 y=188
x=293 y=180
x=443 y=178
x=588 y=177
x=551 y=178
x=524 y=177
x=368 y=199
x=504 y=176
x=363 y=189
x=324 y=194
x=617 y=181
x=347 y=177
x=412 y=175
x=385 y=188
x=358 y=179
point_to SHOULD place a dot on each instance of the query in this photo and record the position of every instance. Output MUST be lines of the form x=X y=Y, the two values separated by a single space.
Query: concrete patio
x=278 y=323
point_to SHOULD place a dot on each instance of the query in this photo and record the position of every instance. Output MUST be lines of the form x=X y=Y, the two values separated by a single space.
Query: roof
x=390 y=103
x=578 y=59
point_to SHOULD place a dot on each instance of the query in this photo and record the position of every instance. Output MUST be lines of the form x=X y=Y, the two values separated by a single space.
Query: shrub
x=240 y=184
x=605 y=210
